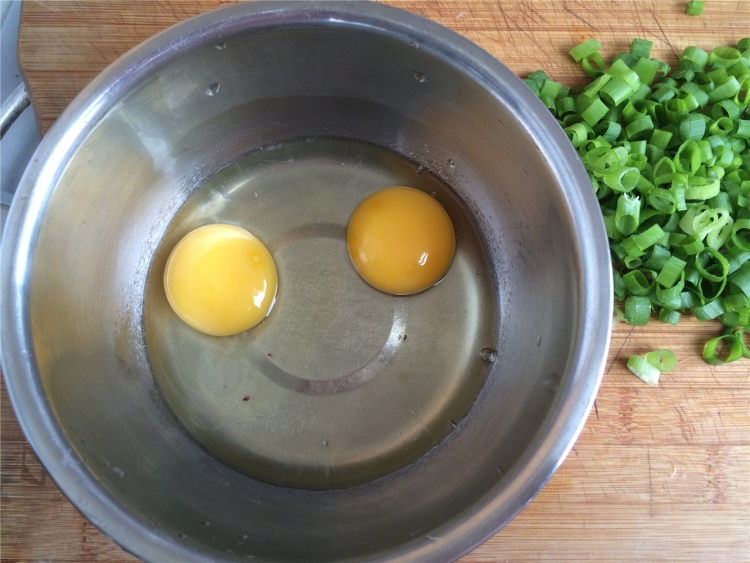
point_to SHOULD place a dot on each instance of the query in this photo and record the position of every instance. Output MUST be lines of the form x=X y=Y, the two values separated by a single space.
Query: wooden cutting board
x=658 y=473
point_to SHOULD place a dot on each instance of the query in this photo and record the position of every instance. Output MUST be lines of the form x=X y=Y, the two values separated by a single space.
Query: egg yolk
x=220 y=280
x=400 y=240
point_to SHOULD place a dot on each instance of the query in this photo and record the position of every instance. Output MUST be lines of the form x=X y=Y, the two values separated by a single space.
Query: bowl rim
x=569 y=411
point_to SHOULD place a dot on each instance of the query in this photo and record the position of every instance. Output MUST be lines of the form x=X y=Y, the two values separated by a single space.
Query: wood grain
x=658 y=473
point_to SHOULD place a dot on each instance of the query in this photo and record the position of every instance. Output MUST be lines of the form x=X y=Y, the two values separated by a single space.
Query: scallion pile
x=668 y=154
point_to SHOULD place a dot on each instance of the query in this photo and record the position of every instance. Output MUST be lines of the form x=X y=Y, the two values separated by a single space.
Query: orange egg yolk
x=401 y=240
x=220 y=280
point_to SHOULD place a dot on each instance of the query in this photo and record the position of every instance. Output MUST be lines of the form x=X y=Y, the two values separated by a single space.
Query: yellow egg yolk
x=220 y=280
x=400 y=240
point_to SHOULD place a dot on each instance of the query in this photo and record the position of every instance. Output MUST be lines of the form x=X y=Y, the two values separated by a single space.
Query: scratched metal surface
x=658 y=474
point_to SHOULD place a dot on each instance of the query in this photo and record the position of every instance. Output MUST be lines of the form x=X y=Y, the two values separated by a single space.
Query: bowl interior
x=263 y=83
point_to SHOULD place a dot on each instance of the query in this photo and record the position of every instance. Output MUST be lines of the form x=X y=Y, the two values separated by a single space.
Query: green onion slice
x=637 y=310
x=663 y=360
x=643 y=369
x=695 y=7
x=739 y=333
x=716 y=357
x=670 y=316
x=585 y=49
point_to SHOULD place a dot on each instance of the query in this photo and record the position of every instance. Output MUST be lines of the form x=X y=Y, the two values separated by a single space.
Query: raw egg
x=401 y=240
x=220 y=279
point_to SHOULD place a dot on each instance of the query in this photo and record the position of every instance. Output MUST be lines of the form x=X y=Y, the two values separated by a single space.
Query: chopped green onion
x=622 y=179
x=670 y=297
x=743 y=129
x=585 y=49
x=688 y=157
x=619 y=285
x=627 y=214
x=670 y=316
x=616 y=91
x=663 y=93
x=675 y=110
x=594 y=112
x=577 y=133
x=637 y=283
x=724 y=56
x=668 y=156
x=693 y=58
x=740 y=335
x=699 y=94
x=659 y=257
x=693 y=126
x=646 y=69
x=689 y=300
x=664 y=360
x=695 y=7
x=736 y=319
x=595 y=85
x=637 y=310
x=640 y=128
x=741 y=234
x=736 y=302
x=587 y=53
x=649 y=237
x=671 y=271
x=708 y=261
x=650 y=367
x=734 y=352
x=662 y=201
x=593 y=65
x=721 y=126
x=741 y=278
x=726 y=108
x=724 y=90
x=699 y=188
x=641 y=48
x=708 y=311
x=692 y=246
x=643 y=369
x=609 y=130
x=736 y=257
x=660 y=138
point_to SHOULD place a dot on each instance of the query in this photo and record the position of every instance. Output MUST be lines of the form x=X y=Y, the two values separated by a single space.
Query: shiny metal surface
x=18 y=142
x=114 y=172
x=341 y=383
x=17 y=102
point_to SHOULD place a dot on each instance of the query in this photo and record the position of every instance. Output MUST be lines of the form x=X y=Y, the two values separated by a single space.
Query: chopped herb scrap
x=695 y=7
x=668 y=154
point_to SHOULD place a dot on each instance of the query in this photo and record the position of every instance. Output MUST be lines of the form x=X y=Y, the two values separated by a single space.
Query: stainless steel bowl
x=417 y=450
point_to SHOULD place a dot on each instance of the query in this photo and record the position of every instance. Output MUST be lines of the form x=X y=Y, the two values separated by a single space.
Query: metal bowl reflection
x=517 y=359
